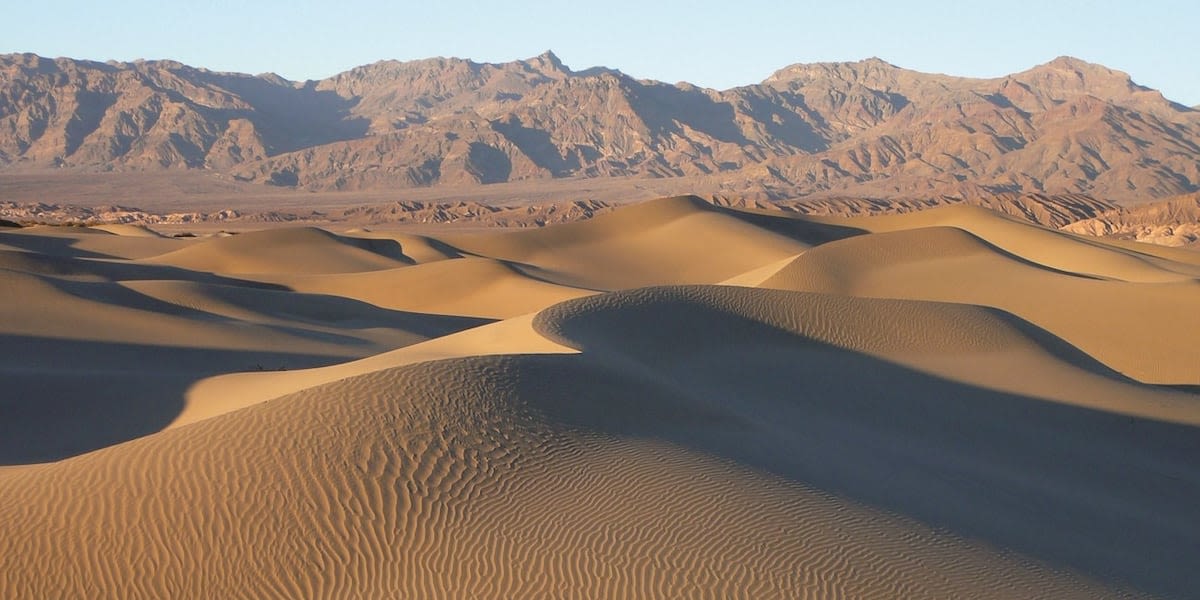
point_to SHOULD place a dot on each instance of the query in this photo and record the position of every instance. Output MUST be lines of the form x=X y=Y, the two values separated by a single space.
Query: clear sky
x=714 y=44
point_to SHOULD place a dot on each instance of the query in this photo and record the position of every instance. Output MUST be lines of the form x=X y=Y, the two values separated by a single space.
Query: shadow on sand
x=1108 y=495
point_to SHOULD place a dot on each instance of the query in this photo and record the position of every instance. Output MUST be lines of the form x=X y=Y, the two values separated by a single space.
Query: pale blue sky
x=714 y=44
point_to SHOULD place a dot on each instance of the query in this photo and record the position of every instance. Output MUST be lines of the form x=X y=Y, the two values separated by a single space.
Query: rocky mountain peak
x=1070 y=74
x=548 y=61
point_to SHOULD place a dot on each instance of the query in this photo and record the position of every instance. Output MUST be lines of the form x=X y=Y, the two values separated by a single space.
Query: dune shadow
x=384 y=247
x=1013 y=472
x=51 y=245
x=445 y=248
x=1107 y=495
x=60 y=398
x=796 y=227
x=116 y=270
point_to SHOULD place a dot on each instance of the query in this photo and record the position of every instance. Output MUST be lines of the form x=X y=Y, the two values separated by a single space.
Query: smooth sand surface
x=670 y=400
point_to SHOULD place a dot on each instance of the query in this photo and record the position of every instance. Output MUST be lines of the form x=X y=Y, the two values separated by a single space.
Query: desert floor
x=670 y=400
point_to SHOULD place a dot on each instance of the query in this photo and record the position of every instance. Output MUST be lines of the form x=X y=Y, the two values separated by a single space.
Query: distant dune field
x=670 y=400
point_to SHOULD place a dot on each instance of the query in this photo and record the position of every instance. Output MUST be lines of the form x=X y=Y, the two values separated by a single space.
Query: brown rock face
x=866 y=129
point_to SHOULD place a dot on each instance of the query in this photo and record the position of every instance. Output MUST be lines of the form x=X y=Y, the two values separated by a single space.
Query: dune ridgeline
x=672 y=399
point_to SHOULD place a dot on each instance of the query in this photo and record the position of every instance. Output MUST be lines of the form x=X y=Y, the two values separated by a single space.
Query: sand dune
x=1141 y=329
x=300 y=250
x=1050 y=248
x=755 y=277
x=128 y=230
x=418 y=248
x=942 y=404
x=467 y=476
x=96 y=352
x=84 y=242
x=218 y=395
x=668 y=241
x=468 y=286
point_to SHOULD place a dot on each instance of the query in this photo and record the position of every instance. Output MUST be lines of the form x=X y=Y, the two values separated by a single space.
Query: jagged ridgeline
x=866 y=128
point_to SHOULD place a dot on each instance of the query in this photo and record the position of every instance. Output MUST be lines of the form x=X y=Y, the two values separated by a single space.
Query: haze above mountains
x=862 y=129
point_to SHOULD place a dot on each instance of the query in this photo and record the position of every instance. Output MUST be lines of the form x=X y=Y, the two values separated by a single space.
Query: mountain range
x=864 y=129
